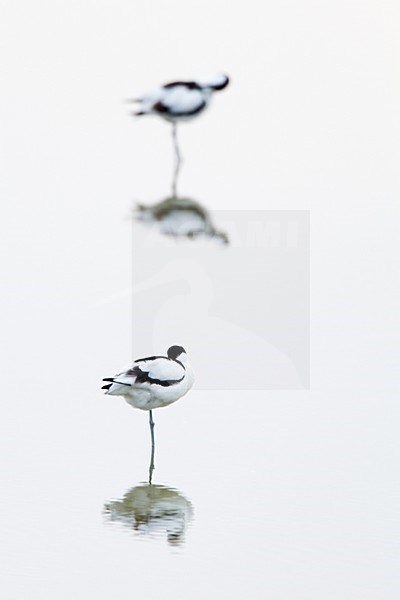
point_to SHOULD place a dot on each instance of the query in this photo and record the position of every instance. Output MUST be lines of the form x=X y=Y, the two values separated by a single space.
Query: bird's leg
x=151 y=468
x=178 y=160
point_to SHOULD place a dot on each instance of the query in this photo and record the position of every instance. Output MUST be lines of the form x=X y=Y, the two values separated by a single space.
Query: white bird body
x=154 y=382
x=180 y=100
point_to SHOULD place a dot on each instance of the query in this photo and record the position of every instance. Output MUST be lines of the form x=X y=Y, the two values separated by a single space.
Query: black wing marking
x=160 y=107
x=190 y=85
x=113 y=380
x=144 y=377
x=149 y=358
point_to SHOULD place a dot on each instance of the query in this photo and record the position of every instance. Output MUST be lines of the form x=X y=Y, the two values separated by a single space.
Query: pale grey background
x=296 y=493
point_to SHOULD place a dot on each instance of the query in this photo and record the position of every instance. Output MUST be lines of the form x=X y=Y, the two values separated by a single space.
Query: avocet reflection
x=154 y=511
x=181 y=218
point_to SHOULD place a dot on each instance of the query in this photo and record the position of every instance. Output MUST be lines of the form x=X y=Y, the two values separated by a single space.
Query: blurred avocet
x=153 y=382
x=181 y=218
x=180 y=101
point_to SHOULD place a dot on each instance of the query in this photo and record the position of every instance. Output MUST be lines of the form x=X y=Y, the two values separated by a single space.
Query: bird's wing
x=180 y=100
x=145 y=372
x=158 y=370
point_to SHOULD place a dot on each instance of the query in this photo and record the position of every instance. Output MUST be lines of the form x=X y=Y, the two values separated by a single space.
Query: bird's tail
x=141 y=110
x=108 y=386
x=113 y=387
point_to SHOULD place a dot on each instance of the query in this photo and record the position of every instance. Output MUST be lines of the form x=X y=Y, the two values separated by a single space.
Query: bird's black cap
x=221 y=85
x=175 y=351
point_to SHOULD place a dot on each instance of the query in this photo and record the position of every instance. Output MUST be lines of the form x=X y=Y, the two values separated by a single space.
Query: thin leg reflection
x=153 y=511
x=178 y=160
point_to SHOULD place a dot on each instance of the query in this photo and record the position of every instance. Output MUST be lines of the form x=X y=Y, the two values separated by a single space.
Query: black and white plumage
x=180 y=100
x=155 y=381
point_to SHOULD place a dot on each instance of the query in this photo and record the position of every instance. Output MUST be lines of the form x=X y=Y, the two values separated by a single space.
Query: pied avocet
x=153 y=382
x=180 y=101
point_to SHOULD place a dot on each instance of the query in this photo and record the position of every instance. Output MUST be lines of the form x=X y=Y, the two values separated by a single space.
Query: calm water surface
x=252 y=493
x=287 y=494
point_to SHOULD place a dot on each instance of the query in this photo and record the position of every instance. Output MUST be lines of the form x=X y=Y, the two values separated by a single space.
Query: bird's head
x=177 y=353
x=217 y=83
